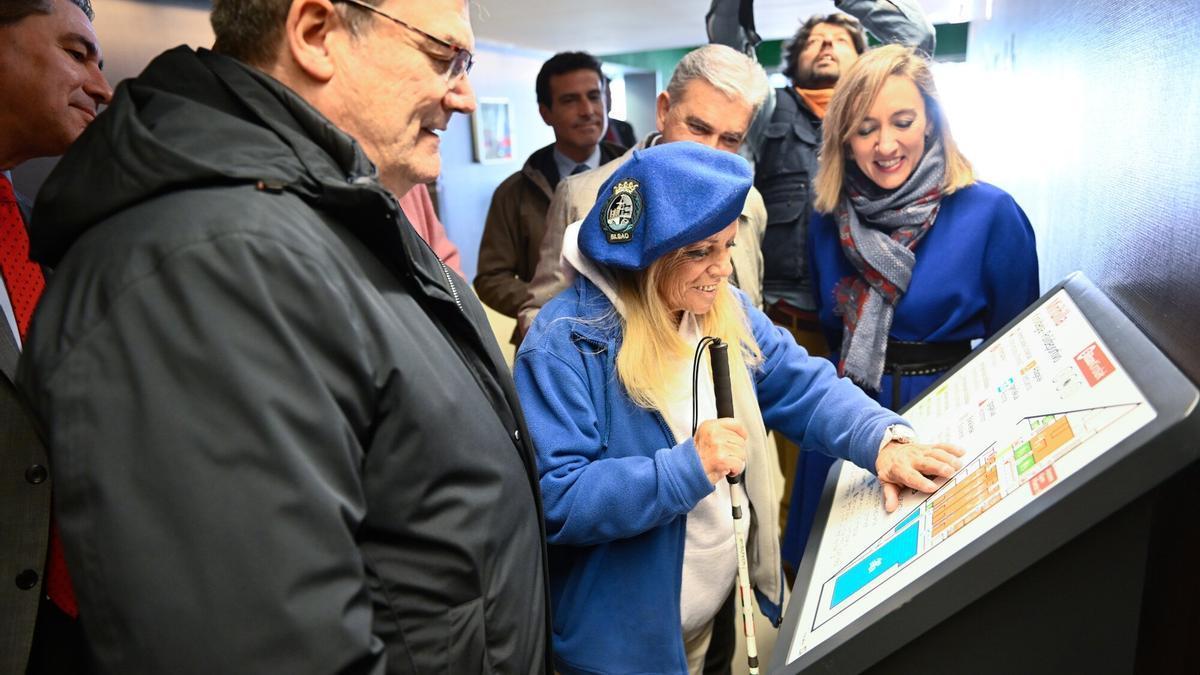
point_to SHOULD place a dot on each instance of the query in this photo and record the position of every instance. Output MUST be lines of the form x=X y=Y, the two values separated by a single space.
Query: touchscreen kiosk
x=1066 y=416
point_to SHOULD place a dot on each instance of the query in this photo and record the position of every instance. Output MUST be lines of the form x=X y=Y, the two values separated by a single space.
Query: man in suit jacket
x=570 y=94
x=50 y=89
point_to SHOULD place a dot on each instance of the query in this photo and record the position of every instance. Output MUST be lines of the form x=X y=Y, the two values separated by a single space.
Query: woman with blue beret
x=638 y=511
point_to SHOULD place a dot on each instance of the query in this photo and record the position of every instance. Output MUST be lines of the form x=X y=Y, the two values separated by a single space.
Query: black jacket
x=783 y=174
x=284 y=439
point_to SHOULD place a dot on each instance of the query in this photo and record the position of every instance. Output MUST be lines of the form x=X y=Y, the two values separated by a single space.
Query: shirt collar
x=566 y=165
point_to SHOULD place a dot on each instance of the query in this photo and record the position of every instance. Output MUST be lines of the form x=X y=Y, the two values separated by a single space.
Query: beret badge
x=622 y=211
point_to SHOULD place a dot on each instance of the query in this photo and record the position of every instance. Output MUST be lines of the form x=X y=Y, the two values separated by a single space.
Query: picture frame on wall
x=491 y=131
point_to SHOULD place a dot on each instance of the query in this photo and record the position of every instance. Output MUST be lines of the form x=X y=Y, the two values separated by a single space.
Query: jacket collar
x=806 y=118
x=542 y=170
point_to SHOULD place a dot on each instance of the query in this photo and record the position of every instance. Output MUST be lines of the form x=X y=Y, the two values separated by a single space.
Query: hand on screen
x=914 y=465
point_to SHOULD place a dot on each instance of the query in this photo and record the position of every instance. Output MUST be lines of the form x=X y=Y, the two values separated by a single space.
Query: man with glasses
x=307 y=454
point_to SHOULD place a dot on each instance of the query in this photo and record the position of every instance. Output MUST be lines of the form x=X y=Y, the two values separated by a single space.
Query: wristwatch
x=897 y=433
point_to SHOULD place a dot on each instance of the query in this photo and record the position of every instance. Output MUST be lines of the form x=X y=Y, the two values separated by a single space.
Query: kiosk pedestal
x=1064 y=544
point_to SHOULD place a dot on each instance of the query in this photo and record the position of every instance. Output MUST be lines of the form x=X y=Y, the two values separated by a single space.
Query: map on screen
x=1041 y=402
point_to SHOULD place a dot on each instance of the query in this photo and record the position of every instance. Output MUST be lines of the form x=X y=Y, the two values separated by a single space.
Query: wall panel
x=1088 y=112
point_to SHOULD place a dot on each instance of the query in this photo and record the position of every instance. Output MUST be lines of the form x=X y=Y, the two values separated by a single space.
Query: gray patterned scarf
x=879 y=230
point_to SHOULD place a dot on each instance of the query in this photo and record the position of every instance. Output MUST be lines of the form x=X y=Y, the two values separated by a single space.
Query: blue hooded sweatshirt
x=617 y=486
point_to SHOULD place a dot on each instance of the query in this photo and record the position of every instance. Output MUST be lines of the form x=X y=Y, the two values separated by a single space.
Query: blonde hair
x=853 y=97
x=651 y=349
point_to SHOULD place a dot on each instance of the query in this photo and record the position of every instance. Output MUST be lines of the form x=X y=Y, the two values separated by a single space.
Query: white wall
x=133 y=33
x=1088 y=113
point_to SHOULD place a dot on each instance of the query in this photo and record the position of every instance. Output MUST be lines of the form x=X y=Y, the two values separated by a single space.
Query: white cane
x=719 y=352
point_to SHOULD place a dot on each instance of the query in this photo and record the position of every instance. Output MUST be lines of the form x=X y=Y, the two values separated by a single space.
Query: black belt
x=783 y=314
x=921 y=358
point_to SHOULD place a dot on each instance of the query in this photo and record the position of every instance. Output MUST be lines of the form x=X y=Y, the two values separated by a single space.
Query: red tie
x=22 y=276
x=24 y=282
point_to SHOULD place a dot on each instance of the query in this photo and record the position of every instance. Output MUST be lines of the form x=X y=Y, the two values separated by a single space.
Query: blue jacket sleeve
x=590 y=495
x=893 y=21
x=803 y=398
x=1010 y=265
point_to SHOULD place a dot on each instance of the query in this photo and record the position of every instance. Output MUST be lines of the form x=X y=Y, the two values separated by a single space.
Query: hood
x=575 y=263
x=192 y=119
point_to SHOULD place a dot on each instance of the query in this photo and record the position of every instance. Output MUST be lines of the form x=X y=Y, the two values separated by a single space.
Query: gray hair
x=729 y=71
x=251 y=31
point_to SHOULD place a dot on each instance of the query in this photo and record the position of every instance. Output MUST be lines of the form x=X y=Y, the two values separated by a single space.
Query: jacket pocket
x=790 y=147
x=785 y=171
x=786 y=198
x=784 y=241
x=466 y=641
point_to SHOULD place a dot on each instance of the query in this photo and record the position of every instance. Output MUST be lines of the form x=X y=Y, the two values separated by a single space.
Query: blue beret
x=663 y=198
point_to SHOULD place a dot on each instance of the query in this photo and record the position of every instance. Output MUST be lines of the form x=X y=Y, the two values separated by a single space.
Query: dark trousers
x=58 y=644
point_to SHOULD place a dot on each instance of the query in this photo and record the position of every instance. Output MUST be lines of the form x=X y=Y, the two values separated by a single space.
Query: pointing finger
x=891 y=497
x=913 y=479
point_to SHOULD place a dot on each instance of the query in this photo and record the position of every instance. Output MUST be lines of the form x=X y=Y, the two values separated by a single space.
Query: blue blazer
x=976 y=270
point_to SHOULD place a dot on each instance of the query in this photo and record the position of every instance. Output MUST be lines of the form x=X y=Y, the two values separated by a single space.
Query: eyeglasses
x=460 y=62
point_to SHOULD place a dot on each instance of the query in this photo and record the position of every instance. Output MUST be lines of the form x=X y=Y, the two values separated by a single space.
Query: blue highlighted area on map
x=909 y=518
x=897 y=551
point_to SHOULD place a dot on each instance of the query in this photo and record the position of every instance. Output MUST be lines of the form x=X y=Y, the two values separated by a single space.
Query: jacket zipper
x=516 y=434
x=453 y=288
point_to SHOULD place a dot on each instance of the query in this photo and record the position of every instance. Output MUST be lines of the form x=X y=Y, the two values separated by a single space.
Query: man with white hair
x=288 y=440
x=711 y=98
